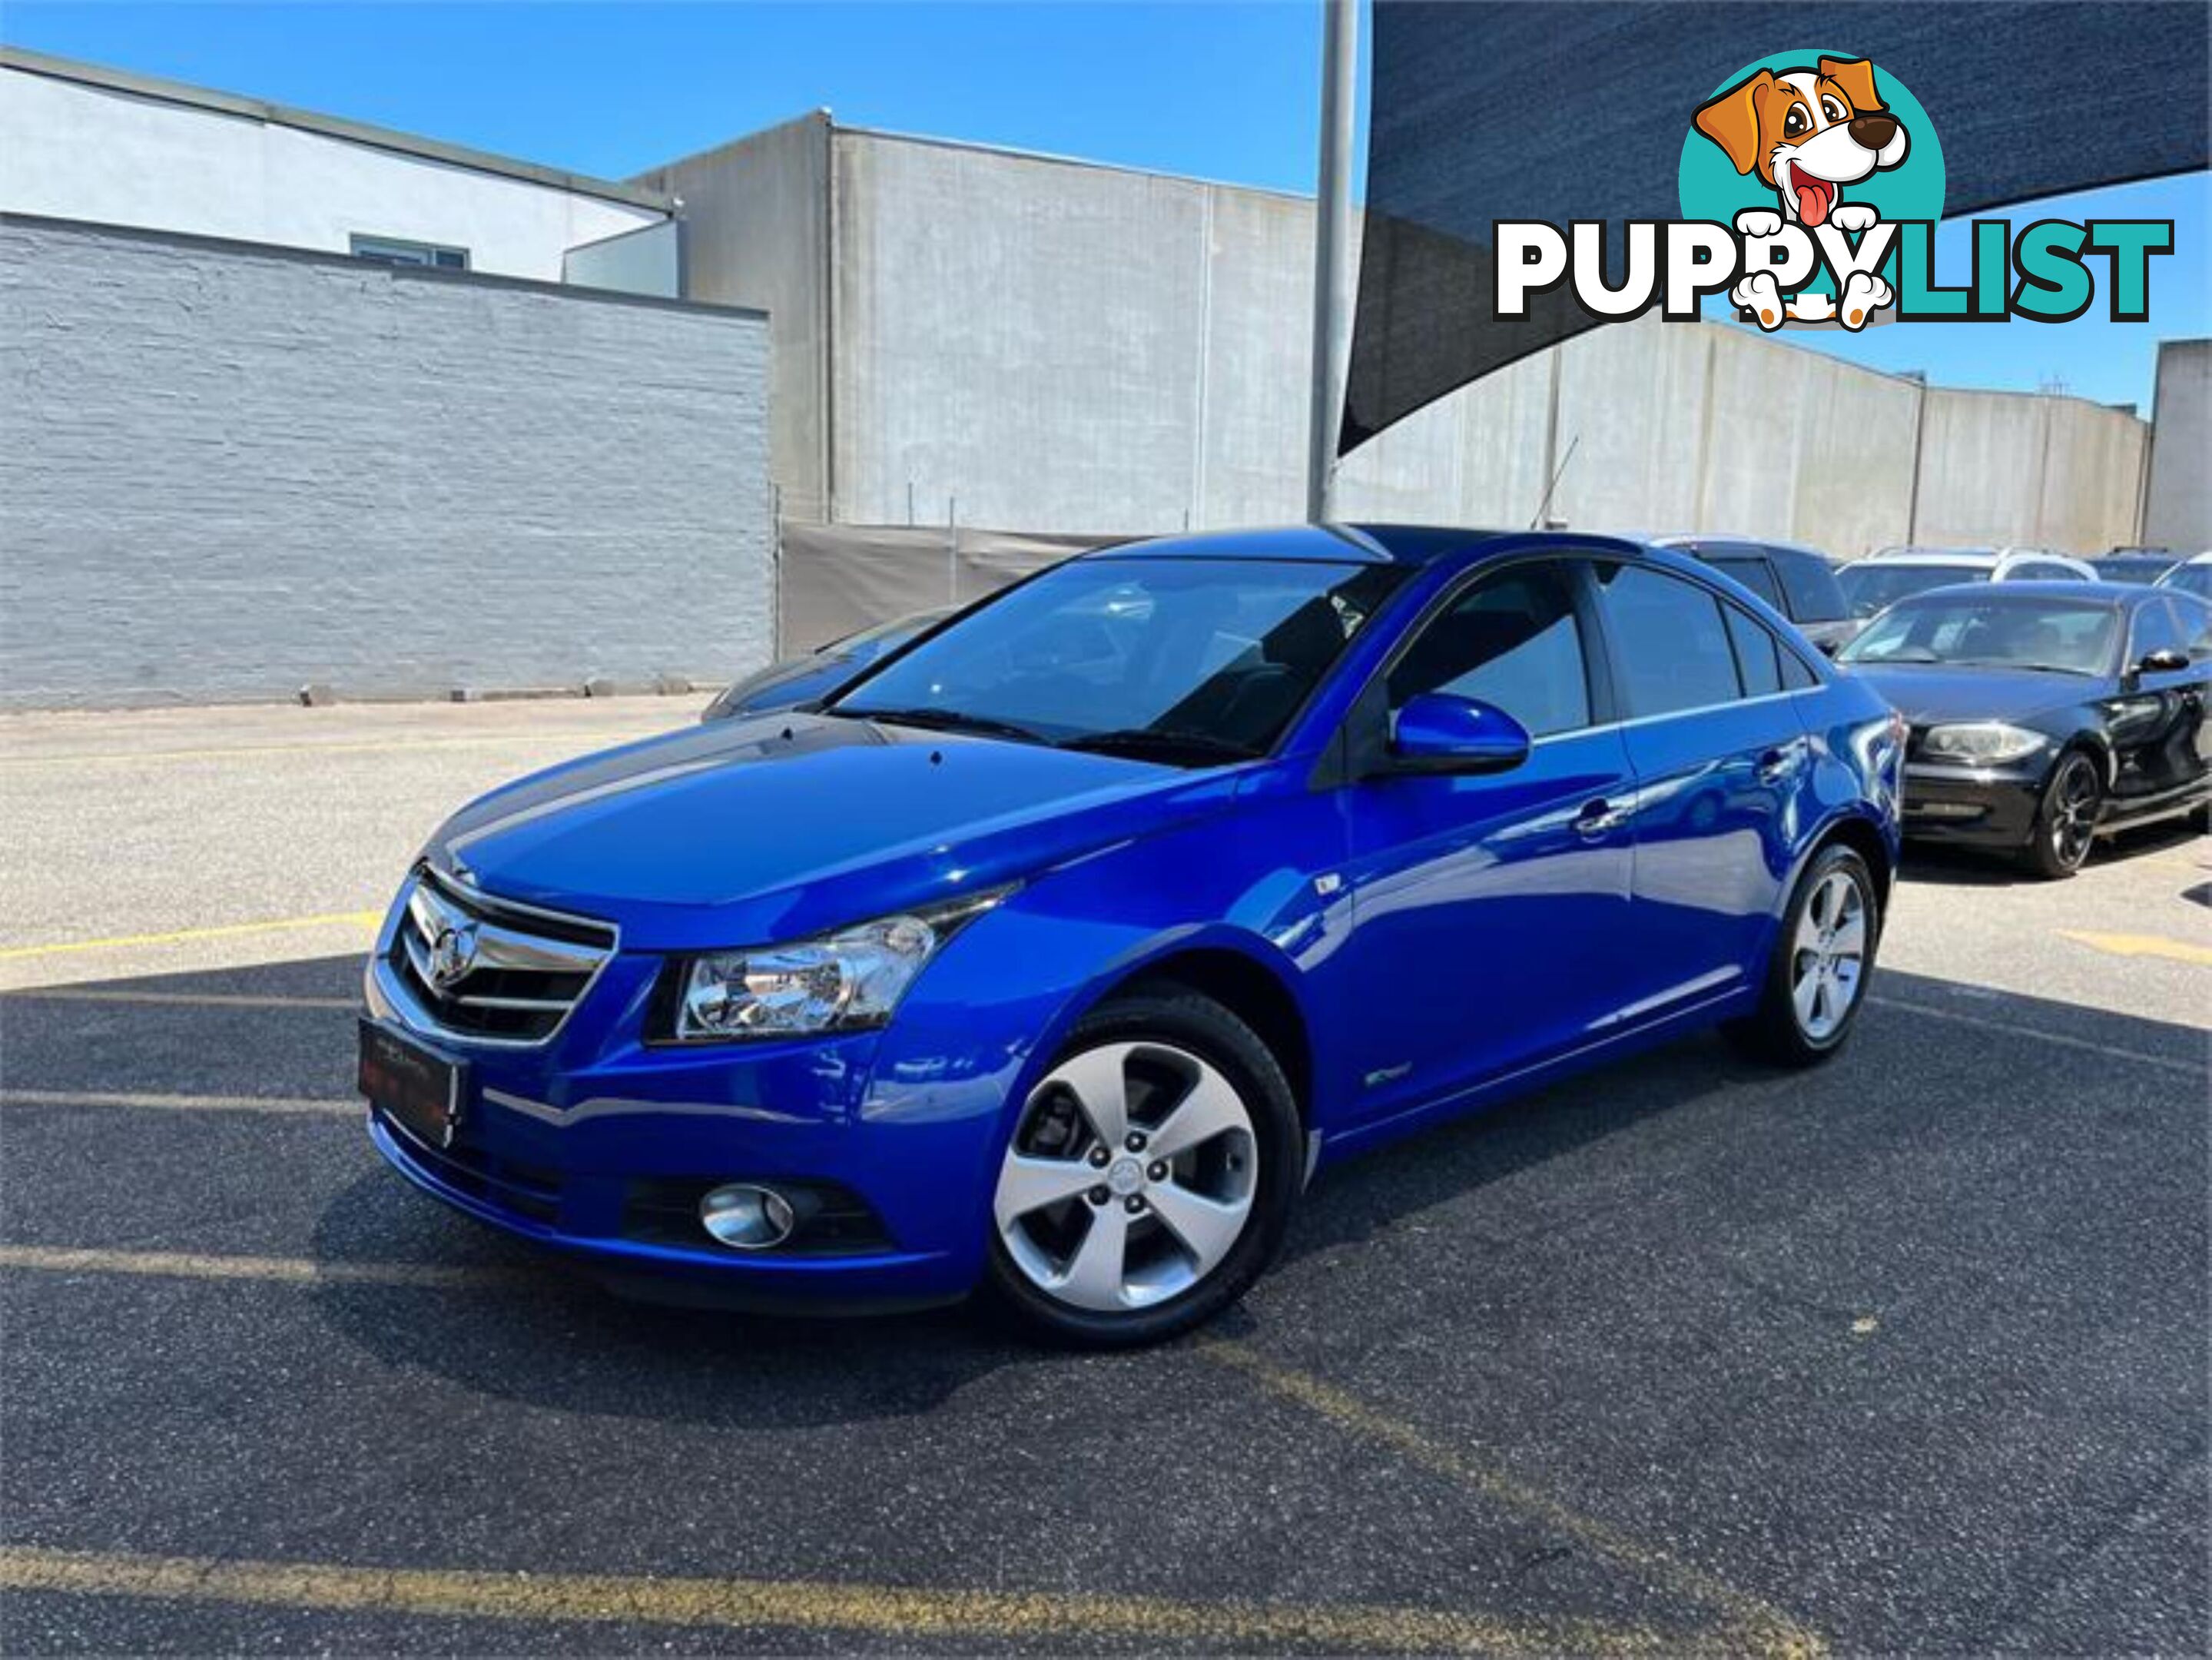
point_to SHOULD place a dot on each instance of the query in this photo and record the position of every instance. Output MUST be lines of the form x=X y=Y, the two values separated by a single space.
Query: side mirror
x=1439 y=733
x=2165 y=661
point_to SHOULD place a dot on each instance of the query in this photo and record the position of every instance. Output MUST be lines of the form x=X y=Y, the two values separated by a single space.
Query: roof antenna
x=1544 y=506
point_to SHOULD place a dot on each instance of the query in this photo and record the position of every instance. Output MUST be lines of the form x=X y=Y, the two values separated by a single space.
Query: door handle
x=1599 y=817
x=1777 y=763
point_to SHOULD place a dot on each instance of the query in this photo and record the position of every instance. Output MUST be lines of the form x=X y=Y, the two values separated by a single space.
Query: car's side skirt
x=1496 y=1091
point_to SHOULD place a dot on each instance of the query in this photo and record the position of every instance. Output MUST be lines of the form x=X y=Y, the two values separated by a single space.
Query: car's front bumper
x=547 y=1208
x=601 y=1145
x=1976 y=807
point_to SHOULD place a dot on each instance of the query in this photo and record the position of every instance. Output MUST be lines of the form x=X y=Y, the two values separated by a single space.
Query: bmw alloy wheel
x=1828 y=958
x=1130 y=1176
x=2073 y=825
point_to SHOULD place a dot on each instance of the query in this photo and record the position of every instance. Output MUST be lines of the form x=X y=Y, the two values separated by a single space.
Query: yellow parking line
x=1756 y=1626
x=209 y=999
x=319 y=1106
x=900 y=1612
x=353 y=919
x=2141 y=945
x=378 y=746
x=281 y=1270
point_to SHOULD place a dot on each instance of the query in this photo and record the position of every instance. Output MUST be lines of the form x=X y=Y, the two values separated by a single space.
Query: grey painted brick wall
x=226 y=472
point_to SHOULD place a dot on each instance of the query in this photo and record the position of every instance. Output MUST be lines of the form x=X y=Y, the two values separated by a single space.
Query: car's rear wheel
x=2066 y=824
x=1150 y=1174
x=1816 y=979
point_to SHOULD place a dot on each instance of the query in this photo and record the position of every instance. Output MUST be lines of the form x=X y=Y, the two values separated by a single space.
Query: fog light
x=746 y=1218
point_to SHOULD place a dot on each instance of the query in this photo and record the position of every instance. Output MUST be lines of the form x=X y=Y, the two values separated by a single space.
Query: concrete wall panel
x=2010 y=468
x=1059 y=347
x=1257 y=252
x=1632 y=401
x=2179 y=511
x=1021 y=337
x=1981 y=460
x=2092 y=477
x=227 y=472
x=757 y=225
x=1854 y=436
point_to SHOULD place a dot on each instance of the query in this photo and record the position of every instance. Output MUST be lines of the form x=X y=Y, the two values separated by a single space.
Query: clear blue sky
x=1225 y=91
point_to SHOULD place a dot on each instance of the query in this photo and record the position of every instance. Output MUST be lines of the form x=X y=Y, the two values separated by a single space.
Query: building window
x=393 y=250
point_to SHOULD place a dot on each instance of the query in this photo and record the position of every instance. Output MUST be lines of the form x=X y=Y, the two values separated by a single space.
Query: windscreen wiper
x=2015 y=663
x=931 y=718
x=1151 y=740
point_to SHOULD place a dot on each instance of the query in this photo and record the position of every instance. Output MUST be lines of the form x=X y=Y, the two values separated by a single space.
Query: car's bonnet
x=752 y=830
x=1926 y=693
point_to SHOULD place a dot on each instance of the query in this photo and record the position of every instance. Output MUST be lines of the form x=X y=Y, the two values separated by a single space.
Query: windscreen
x=1992 y=629
x=1173 y=659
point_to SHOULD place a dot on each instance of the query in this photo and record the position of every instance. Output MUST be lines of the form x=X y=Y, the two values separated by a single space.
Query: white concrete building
x=84 y=142
x=287 y=401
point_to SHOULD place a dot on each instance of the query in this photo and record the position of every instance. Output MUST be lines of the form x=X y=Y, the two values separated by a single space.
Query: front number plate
x=422 y=1090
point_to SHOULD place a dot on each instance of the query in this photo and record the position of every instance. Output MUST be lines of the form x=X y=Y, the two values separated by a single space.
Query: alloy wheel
x=2073 y=825
x=1130 y=1176
x=1828 y=957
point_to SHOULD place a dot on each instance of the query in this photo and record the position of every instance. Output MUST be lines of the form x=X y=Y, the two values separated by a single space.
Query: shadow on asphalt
x=1967 y=868
x=579 y=1349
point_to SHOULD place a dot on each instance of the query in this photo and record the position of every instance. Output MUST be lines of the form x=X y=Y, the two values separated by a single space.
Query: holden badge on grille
x=453 y=954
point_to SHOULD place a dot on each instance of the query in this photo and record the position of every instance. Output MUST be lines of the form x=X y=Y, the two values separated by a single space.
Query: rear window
x=1815 y=596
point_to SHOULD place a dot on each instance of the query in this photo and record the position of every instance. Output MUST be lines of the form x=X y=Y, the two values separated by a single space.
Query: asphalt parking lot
x=1907 y=1354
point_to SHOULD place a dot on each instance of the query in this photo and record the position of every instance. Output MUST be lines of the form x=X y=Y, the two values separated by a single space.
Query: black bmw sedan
x=2046 y=715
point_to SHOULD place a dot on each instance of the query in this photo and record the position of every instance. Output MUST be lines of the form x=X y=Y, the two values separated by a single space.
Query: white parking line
x=2014 y=1029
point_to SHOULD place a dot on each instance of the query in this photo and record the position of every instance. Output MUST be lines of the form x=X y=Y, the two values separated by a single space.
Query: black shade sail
x=1485 y=111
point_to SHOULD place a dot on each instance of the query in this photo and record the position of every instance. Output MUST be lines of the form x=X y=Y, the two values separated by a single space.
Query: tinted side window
x=1815 y=596
x=1672 y=646
x=1757 y=658
x=2157 y=629
x=2195 y=622
x=1512 y=641
x=1795 y=676
x=1754 y=574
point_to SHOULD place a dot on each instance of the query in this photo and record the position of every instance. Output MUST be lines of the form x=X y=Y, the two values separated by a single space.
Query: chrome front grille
x=489 y=969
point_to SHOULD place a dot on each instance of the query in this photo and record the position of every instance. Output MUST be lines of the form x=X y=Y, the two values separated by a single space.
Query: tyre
x=1150 y=1176
x=1816 y=978
x=2066 y=824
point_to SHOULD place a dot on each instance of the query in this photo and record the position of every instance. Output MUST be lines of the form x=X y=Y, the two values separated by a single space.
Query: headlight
x=844 y=981
x=1982 y=744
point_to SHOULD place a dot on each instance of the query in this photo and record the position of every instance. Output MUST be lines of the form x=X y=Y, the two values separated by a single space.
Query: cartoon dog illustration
x=1808 y=133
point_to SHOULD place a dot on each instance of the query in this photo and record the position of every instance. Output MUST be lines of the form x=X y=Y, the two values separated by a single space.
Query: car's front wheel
x=2066 y=826
x=1150 y=1175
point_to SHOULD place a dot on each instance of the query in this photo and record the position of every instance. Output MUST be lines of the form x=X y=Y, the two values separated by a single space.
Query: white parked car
x=2192 y=575
x=1881 y=579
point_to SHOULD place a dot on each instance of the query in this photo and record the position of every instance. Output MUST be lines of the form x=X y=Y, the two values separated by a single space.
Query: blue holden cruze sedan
x=1056 y=953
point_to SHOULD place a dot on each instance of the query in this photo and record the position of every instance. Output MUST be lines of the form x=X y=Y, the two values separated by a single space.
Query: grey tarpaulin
x=833 y=579
x=1492 y=110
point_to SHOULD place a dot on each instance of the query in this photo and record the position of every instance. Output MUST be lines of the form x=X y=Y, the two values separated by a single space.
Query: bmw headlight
x=848 y=981
x=1981 y=744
